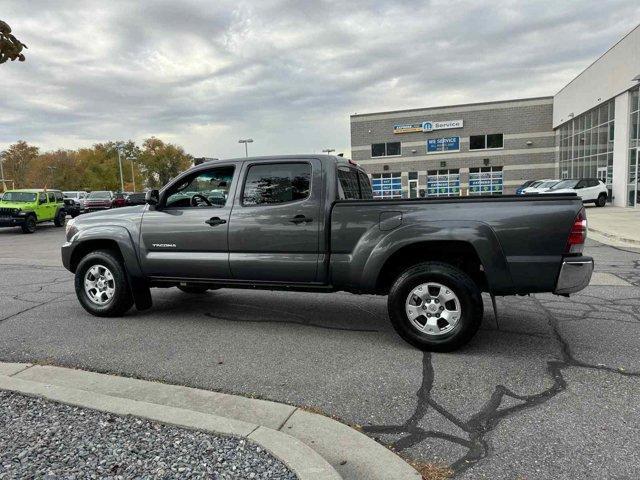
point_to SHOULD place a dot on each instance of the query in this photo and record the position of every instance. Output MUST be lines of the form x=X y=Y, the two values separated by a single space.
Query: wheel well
x=91 y=246
x=461 y=255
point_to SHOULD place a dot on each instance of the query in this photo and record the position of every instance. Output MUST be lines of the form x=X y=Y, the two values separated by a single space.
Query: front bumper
x=11 y=221
x=575 y=275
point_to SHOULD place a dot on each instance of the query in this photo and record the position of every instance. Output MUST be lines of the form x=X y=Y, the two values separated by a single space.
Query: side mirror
x=152 y=197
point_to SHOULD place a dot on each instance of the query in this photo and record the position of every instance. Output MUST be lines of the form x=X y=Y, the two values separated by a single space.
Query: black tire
x=61 y=219
x=602 y=200
x=30 y=224
x=193 y=288
x=121 y=301
x=467 y=292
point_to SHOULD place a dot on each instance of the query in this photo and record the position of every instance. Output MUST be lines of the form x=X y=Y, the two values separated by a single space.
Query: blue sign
x=446 y=144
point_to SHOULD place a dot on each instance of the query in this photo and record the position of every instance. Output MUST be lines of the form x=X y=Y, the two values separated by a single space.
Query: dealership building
x=588 y=129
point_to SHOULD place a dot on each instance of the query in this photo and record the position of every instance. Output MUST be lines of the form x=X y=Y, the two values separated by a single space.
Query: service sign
x=431 y=126
x=428 y=126
x=445 y=144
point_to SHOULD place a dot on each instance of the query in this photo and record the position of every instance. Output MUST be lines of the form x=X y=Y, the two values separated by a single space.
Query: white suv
x=588 y=189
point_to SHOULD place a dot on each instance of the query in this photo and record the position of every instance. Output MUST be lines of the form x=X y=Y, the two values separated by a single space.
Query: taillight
x=578 y=234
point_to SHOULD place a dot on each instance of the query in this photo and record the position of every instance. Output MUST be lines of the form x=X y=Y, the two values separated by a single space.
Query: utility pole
x=51 y=169
x=120 y=165
x=4 y=185
x=133 y=176
x=246 y=141
x=329 y=150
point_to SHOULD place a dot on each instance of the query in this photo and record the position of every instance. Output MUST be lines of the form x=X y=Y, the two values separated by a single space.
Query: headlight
x=71 y=229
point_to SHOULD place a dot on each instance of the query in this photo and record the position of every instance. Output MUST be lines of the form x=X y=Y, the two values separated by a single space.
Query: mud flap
x=141 y=293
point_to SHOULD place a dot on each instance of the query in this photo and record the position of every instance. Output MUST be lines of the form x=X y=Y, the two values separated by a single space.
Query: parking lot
x=549 y=389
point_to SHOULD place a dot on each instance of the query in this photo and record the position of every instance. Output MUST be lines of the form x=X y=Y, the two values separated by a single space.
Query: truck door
x=275 y=222
x=185 y=236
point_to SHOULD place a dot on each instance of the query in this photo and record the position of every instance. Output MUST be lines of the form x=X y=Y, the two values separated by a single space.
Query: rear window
x=354 y=184
x=268 y=184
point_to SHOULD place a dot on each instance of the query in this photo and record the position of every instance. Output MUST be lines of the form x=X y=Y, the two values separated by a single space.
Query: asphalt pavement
x=549 y=389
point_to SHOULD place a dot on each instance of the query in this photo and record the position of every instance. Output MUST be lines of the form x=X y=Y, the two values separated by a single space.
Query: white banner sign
x=429 y=126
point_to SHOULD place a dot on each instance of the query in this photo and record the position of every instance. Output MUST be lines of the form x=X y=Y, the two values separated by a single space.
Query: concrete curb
x=311 y=445
x=612 y=239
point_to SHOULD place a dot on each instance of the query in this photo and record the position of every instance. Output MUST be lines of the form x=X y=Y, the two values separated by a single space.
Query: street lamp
x=51 y=169
x=4 y=185
x=119 y=147
x=329 y=150
x=245 y=141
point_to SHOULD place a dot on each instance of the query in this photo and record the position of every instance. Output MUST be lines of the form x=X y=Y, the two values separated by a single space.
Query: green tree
x=10 y=47
x=18 y=159
x=161 y=161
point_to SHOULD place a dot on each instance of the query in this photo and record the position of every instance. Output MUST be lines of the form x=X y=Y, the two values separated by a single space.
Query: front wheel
x=602 y=200
x=29 y=225
x=101 y=285
x=435 y=306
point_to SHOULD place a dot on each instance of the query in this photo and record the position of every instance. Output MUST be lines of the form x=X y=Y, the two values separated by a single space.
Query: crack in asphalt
x=490 y=415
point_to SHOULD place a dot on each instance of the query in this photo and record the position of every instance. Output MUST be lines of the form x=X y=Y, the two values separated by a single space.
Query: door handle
x=301 y=219
x=214 y=221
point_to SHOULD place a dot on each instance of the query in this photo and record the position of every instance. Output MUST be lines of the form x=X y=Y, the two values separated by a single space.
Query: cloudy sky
x=287 y=73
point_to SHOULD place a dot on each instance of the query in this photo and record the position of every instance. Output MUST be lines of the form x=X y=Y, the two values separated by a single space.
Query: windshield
x=565 y=184
x=548 y=184
x=70 y=194
x=535 y=184
x=100 y=195
x=19 y=197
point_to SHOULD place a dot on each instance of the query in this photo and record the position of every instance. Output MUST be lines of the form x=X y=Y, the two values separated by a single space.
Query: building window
x=586 y=144
x=485 y=181
x=385 y=149
x=484 y=142
x=386 y=185
x=633 y=187
x=443 y=183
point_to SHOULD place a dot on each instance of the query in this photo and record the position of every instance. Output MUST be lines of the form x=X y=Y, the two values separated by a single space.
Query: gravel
x=43 y=439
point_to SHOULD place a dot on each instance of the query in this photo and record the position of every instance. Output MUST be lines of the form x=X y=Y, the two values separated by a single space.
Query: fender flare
x=479 y=235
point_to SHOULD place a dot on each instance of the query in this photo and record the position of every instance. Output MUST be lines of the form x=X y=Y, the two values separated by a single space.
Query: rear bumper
x=575 y=275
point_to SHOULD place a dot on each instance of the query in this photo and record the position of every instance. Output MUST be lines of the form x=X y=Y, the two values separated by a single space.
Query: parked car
x=136 y=198
x=588 y=189
x=310 y=223
x=539 y=186
x=77 y=198
x=119 y=200
x=524 y=185
x=27 y=208
x=99 y=200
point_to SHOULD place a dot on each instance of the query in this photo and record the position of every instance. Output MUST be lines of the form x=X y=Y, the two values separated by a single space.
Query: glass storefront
x=586 y=144
x=386 y=185
x=633 y=187
x=443 y=183
x=485 y=181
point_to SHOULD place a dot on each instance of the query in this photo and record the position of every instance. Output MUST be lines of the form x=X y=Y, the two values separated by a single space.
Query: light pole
x=120 y=165
x=4 y=185
x=51 y=169
x=245 y=141
x=133 y=175
x=329 y=150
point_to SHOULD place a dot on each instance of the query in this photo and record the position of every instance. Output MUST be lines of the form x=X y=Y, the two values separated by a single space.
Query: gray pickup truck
x=310 y=223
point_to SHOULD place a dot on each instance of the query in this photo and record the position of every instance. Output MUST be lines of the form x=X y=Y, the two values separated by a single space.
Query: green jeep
x=27 y=208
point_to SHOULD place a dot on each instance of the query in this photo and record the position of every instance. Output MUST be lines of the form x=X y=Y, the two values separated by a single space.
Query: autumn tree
x=161 y=161
x=18 y=159
x=10 y=47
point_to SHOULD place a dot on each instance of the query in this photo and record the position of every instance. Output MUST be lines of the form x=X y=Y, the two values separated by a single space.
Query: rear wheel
x=61 y=219
x=435 y=306
x=101 y=285
x=29 y=225
x=602 y=200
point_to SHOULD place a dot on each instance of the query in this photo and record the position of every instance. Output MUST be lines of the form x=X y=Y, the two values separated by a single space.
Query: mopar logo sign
x=430 y=126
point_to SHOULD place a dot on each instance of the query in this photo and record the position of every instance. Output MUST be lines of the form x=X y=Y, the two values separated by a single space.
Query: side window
x=593 y=182
x=42 y=198
x=59 y=197
x=52 y=197
x=581 y=184
x=207 y=188
x=271 y=184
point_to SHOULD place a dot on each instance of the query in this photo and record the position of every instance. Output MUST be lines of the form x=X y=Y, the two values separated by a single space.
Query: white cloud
x=286 y=72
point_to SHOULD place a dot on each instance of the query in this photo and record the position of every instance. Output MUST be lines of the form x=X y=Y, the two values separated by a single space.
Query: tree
x=160 y=161
x=10 y=47
x=18 y=159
